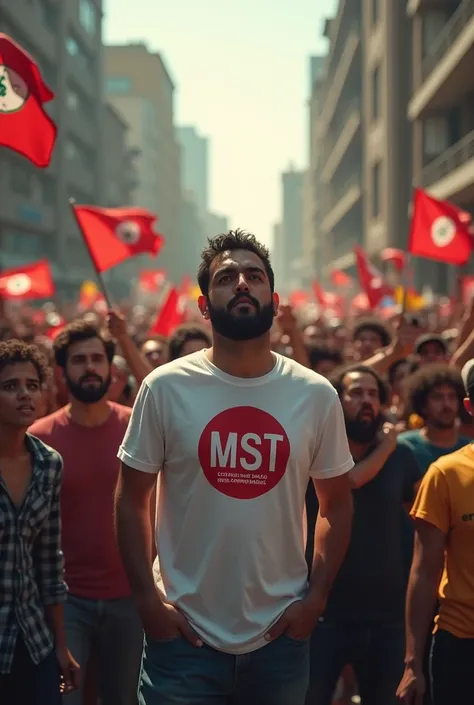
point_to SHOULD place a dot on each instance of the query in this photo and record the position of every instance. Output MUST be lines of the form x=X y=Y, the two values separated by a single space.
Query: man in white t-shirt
x=235 y=432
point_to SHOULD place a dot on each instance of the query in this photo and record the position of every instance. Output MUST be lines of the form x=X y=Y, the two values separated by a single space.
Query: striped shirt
x=31 y=560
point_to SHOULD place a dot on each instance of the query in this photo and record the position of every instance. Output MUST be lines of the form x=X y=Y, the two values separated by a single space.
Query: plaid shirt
x=31 y=560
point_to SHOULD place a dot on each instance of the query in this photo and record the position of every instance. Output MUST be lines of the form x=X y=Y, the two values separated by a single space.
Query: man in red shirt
x=87 y=433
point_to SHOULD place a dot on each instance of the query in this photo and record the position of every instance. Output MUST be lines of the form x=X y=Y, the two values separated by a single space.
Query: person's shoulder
x=305 y=376
x=48 y=424
x=454 y=463
x=410 y=436
x=44 y=452
x=178 y=369
x=120 y=411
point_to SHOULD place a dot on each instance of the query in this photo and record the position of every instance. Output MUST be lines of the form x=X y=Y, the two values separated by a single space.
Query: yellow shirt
x=446 y=500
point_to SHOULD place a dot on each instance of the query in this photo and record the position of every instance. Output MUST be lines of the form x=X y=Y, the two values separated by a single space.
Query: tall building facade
x=364 y=135
x=313 y=243
x=35 y=219
x=216 y=224
x=139 y=85
x=195 y=166
x=292 y=182
x=340 y=137
x=441 y=109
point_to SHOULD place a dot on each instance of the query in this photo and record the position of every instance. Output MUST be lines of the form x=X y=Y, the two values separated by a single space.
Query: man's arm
x=425 y=574
x=332 y=535
x=423 y=585
x=133 y=497
x=367 y=469
x=401 y=346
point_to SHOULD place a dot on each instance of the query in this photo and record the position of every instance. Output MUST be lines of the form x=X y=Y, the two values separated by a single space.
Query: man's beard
x=362 y=431
x=241 y=326
x=88 y=394
x=443 y=425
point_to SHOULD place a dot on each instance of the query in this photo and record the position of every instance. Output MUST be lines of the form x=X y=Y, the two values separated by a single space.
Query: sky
x=241 y=71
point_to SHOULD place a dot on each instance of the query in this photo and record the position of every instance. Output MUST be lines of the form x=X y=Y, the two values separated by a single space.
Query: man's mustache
x=243 y=297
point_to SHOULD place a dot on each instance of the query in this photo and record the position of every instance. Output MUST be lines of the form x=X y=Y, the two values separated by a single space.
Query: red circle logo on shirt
x=244 y=452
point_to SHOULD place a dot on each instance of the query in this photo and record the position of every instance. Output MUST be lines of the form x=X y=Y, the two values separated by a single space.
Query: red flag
x=340 y=278
x=151 y=280
x=25 y=127
x=34 y=281
x=113 y=235
x=173 y=310
x=439 y=230
x=319 y=294
x=398 y=257
x=298 y=298
x=370 y=279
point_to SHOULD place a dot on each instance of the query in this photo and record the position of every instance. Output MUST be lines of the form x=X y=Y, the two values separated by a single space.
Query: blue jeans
x=176 y=673
x=375 y=651
x=28 y=683
x=115 y=628
x=451 y=662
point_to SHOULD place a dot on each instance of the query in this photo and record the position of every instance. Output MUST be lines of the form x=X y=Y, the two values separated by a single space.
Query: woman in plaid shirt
x=35 y=664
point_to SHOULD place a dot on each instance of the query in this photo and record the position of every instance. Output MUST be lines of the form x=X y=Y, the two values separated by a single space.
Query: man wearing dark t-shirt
x=363 y=624
x=100 y=612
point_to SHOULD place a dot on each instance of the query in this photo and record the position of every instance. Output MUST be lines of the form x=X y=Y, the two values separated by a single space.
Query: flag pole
x=100 y=278
x=406 y=275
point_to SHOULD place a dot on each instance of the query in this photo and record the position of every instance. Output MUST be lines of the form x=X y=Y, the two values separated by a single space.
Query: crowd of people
x=203 y=520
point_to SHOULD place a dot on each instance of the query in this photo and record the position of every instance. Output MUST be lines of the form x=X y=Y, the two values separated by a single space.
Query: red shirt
x=94 y=568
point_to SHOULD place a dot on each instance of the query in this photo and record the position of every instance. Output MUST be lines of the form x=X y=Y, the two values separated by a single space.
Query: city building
x=387 y=140
x=293 y=266
x=364 y=137
x=139 y=86
x=193 y=229
x=35 y=218
x=120 y=181
x=277 y=257
x=216 y=224
x=313 y=251
x=195 y=166
x=441 y=109
x=340 y=136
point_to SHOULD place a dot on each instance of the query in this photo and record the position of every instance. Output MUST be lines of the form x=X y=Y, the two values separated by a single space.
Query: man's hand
x=412 y=687
x=286 y=319
x=69 y=670
x=298 y=620
x=162 y=621
x=116 y=324
x=405 y=337
x=388 y=435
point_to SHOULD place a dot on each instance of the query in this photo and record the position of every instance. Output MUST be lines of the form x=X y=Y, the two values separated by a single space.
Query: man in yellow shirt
x=443 y=568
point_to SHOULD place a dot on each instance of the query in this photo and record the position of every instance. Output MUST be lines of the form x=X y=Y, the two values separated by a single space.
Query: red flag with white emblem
x=25 y=127
x=151 y=280
x=440 y=230
x=113 y=235
x=371 y=279
x=34 y=281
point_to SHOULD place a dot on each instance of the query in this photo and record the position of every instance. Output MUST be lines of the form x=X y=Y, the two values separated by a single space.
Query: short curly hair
x=233 y=240
x=337 y=380
x=13 y=352
x=425 y=380
x=374 y=326
x=78 y=331
x=183 y=334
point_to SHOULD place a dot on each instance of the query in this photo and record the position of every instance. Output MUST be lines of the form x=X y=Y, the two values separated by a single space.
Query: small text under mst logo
x=244 y=452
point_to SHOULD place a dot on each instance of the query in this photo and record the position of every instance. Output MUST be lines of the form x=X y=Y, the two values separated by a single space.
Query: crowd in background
x=415 y=404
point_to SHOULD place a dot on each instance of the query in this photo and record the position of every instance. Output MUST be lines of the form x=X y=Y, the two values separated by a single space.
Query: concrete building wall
x=132 y=70
x=35 y=219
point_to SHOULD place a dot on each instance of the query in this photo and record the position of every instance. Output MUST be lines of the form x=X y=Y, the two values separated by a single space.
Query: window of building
x=376 y=189
x=434 y=22
x=48 y=190
x=78 y=53
x=48 y=15
x=118 y=84
x=28 y=245
x=88 y=16
x=375 y=11
x=21 y=178
x=79 y=103
x=376 y=93
x=435 y=136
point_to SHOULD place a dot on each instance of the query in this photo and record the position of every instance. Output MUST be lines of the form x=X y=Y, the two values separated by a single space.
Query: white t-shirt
x=235 y=456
